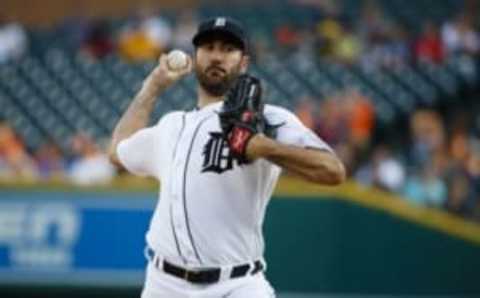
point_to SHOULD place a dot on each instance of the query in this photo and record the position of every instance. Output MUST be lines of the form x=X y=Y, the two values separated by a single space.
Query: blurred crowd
x=436 y=165
x=86 y=163
x=372 y=38
x=435 y=162
x=142 y=37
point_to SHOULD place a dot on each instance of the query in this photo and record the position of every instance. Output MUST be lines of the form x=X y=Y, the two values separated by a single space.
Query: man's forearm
x=138 y=113
x=314 y=165
x=136 y=116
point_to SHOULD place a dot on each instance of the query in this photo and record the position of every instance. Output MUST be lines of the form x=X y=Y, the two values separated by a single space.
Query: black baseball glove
x=242 y=115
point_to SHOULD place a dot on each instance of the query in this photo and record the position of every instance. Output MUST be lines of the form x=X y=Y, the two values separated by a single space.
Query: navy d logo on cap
x=224 y=28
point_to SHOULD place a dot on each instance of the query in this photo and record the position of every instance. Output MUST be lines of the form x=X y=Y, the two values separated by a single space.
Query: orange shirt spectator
x=304 y=112
x=11 y=149
x=136 y=46
x=14 y=155
x=362 y=118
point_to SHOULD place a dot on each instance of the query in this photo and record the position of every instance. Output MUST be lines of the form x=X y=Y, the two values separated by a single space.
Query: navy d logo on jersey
x=216 y=155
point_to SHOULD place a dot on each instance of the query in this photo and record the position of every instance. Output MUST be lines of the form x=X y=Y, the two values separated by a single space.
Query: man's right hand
x=163 y=77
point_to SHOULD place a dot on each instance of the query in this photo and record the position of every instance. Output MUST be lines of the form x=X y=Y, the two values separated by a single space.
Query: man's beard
x=216 y=86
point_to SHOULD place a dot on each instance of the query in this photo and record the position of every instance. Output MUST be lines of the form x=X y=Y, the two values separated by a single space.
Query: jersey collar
x=215 y=106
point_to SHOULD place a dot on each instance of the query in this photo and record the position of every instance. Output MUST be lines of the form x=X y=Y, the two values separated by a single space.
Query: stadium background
x=392 y=85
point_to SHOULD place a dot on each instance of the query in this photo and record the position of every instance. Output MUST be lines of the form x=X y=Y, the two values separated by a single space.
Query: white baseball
x=177 y=60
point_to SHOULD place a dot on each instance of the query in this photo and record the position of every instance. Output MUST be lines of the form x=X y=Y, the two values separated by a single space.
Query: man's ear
x=244 y=63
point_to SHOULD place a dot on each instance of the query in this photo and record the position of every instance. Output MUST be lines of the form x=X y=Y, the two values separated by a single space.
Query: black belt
x=205 y=276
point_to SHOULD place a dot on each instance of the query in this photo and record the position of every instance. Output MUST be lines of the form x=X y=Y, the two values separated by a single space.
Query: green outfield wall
x=335 y=246
x=348 y=241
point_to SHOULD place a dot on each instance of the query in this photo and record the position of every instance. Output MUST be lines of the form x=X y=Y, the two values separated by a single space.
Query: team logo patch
x=220 y=22
x=216 y=155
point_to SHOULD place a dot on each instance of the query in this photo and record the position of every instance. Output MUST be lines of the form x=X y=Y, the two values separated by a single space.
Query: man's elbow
x=332 y=174
x=113 y=157
x=115 y=161
x=338 y=174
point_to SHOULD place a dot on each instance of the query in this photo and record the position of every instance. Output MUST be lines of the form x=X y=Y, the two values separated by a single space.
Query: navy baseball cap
x=224 y=28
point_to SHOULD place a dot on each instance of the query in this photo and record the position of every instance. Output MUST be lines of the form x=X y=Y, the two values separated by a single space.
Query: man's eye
x=207 y=46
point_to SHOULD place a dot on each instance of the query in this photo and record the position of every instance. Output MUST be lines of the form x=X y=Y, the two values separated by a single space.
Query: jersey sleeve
x=292 y=131
x=140 y=153
x=134 y=152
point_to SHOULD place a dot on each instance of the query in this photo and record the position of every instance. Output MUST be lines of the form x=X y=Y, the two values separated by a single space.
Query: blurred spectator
x=76 y=30
x=426 y=188
x=389 y=171
x=346 y=117
x=361 y=118
x=98 y=42
x=387 y=48
x=428 y=136
x=328 y=33
x=473 y=167
x=145 y=39
x=90 y=165
x=345 y=120
x=305 y=50
x=262 y=47
x=347 y=48
x=305 y=111
x=385 y=43
x=349 y=157
x=185 y=28
x=331 y=124
x=459 y=36
x=398 y=47
x=287 y=37
x=375 y=52
x=134 y=45
x=158 y=30
x=13 y=41
x=463 y=173
x=372 y=21
x=429 y=47
x=459 y=147
x=384 y=171
x=326 y=7
x=15 y=162
x=50 y=161
x=462 y=194
x=370 y=24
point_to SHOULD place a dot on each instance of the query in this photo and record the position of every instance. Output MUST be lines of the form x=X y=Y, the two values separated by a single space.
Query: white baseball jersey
x=211 y=208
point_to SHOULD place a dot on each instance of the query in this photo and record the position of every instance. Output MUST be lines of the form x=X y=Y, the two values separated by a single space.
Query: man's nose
x=217 y=56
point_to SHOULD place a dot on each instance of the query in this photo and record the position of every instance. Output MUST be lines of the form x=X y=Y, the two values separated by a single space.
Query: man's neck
x=205 y=98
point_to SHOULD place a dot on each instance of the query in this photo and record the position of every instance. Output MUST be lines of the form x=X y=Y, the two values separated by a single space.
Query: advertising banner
x=73 y=238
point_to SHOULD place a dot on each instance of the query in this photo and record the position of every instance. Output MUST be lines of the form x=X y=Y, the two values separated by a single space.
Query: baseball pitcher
x=218 y=165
